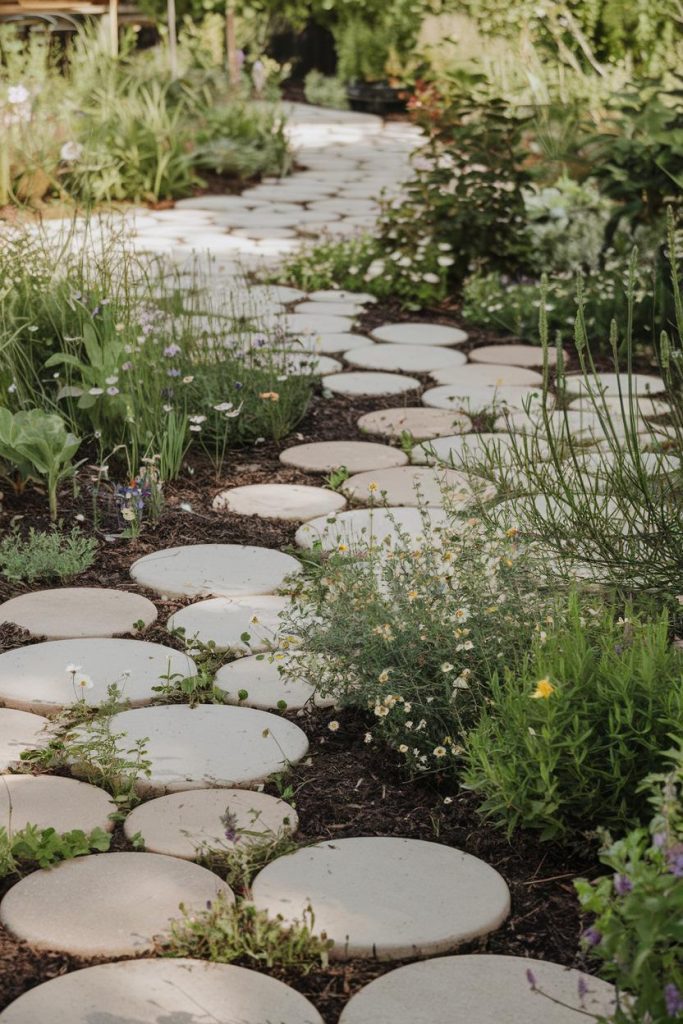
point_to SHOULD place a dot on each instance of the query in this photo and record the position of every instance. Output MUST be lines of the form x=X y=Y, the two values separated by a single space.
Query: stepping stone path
x=480 y=989
x=312 y=364
x=190 y=823
x=409 y=486
x=463 y=448
x=108 y=904
x=347 y=308
x=256 y=682
x=50 y=801
x=419 y=334
x=642 y=407
x=362 y=298
x=162 y=992
x=356 y=456
x=35 y=678
x=513 y=355
x=612 y=383
x=422 y=424
x=291 y=502
x=225 y=620
x=209 y=745
x=405 y=358
x=221 y=570
x=72 y=612
x=330 y=344
x=365 y=528
x=472 y=400
x=364 y=895
x=488 y=375
x=369 y=384
x=20 y=730
x=303 y=323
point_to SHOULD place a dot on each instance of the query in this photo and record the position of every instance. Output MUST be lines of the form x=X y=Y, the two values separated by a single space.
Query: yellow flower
x=372 y=487
x=384 y=676
x=270 y=396
x=342 y=547
x=333 y=726
x=544 y=689
x=412 y=595
x=512 y=532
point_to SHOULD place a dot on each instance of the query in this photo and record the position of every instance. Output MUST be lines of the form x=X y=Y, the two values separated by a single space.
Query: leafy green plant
x=568 y=736
x=248 y=853
x=36 y=444
x=33 y=847
x=325 y=91
x=45 y=556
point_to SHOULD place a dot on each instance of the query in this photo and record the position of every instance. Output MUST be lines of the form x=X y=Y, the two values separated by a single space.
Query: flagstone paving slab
x=290 y=502
x=221 y=570
x=35 y=678
x=356 y=456
x=162 y=991
x=190 y=823
x=421 y=423
x=409 y=485
x=370 y=384
x=50 y=801
x=488 y=374
x=225 y=619
x=513 y=355
x=364 y=896
x=109 y=904
x=474 y=399
x=363 y=528
x=419 y=334
x=256 y=682
x=481 y=989
x=405 y=358
x=208 y=746
x=78 y=612
x=20 y=730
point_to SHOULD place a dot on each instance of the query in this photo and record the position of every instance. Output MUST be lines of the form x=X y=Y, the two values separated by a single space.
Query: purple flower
x=230 y=824
x=673 y=1000
x=674 y=858
x=659 y=840
x=173 y=373
x=592 y=936
x=622 y=885
x=238 y=385
x=531 y=978
x=171 y=350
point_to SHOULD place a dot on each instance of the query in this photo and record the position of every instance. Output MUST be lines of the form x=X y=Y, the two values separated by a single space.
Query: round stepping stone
x=422 y=424
x=78 y=612
x=364 y=896
x=275 y=293
x=481 y=989
x=363 y=528
x=306 y=364
x=20 y=730
x=330 y=344
x=303 y=323
x=225 y=619
x=409 y=358
x=451 y=396
x=342 y=295
x=109 y=904
x=610 y=383
x=584 y=425
x=642 y=407
x=208 y=746
x=461 y=448
x=370 y=384
x=488 y=375
x=162 y=990
x=188 y=824
x=513 y=355
x=223 y=570
x=291 y=502
x=347 y=308
x=265 y=688
x=409 y=485
x=49 y=801
x=356 y=456
x=35 y=678
x=419 y=334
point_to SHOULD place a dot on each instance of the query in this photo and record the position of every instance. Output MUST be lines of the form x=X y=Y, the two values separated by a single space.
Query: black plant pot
x=375 y=97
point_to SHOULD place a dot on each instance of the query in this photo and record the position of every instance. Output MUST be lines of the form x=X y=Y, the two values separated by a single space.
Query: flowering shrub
x=636 y=934
x=566 y=740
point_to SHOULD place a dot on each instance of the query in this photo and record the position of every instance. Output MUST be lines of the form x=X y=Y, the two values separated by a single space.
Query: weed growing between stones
x=249 y=851
x=32 y=847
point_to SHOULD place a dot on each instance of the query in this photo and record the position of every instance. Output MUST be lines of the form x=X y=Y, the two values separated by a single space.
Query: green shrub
x=45 y=556
x=609 y=697
x=325 y=91
x=32 y=847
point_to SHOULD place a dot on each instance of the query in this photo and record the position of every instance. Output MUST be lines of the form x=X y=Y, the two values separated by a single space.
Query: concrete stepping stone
x=364 y=896
x=513 y=355
x=477 y=399
x=162 y=991
x=364 y=528
x=290 y=502
x=462 y=448
x=20 y=730
x=71 y=612
x=409 y=485
x=274 y=293
x=419 y=334
x=342 y=295
x=356 y=456
x=109 y=904
x=642 y=407
x=481 y=989
x=584 y=425
x=256 y=682
x=408 y=358
x=369 y=384
x=303 y=323
x=610 y=383
x=487 y=374
x=305 y=364
x=208 y=746
x=190 y=823
x=225 y=619
x=347 y=308
x=50 y=801
x=330 y=344
x=221 y=570
x=421 y=423
x=35 y=678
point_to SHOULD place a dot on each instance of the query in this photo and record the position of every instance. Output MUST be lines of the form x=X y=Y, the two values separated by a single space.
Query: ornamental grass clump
x=566 y=737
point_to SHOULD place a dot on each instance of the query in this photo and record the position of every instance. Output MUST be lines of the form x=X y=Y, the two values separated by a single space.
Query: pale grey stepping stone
x=208 y=746
x=421 y=423
x=306 y=364
x=481 y=989
x=462 y=448
x=291 y=502
x=330 y=344
x=162 y=991
x=364 y=528
x=225 y=619
x=610 y=383
x=409 y=485
x=49 y=801
x=356 y=456
x=513 y=355
x=220 y=203
x=304 y=323
x=221 y=570
x=370 y=384
x=347 y=308
x=109 y=904
x=641 y=407
x=408 y=358
x=275 y=293
x=78 y=612
x=419 y=334
x=189 y=823
x=20 y=730
x=364 y=896
x=582 y=425
x=477 y=399
x=261 y=232
x=341 y=295
x=487 y=374
x=265 y=688
x=35 y=678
